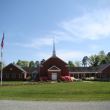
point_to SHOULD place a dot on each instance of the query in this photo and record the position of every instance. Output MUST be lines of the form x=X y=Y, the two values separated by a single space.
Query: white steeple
x=54 y=51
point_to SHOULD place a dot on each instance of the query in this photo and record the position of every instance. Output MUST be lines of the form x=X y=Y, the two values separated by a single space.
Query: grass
x=74 y=91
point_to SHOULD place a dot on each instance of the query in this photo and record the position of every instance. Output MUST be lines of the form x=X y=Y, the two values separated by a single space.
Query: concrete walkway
x=45 y=105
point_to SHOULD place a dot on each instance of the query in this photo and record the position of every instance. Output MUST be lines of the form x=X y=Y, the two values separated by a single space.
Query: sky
x=80 y=28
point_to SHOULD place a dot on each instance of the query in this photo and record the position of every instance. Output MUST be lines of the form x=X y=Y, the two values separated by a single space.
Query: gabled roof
x=31 y=70
x=16 y=66
x=97 y=69
x=101 y=68
x=55 y=57
x=83 y=70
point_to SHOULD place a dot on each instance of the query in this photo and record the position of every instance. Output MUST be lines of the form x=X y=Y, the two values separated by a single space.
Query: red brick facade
x=105 y=74
x=56 y=65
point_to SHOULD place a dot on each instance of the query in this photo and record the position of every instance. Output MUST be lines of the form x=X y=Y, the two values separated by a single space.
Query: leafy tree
x=85 y=61
x=37 y=63
x=19 y=62
x=94 y=60
x=42 y=61
x=108 y=54
x=77 y=63
x=108 y=57
x=31 y=64
x=70 y=64
x=102 y=57
x=23 y=63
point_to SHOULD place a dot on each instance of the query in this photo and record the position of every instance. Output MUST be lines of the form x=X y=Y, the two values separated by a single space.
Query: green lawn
x=74 y=91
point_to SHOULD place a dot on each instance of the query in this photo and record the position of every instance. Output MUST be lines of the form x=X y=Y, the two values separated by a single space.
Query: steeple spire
x=54 y=51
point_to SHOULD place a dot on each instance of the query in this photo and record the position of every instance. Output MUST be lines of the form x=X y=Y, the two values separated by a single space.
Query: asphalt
x=46 y=105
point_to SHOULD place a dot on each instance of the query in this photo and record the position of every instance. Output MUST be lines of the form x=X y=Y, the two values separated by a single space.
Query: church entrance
x=54 y=76
x=54 y=73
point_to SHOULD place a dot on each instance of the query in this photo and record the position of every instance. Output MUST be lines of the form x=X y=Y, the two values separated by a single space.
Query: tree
x=85 y=61
x=42 y=61
x=31 y=64
x=102 y=57
x=108 y=54
x=99 y=59
x=94 y=60
x=23 y=63
x=37 y=63
x=108 y=57
x=70 y=64
x=19 y=62
x=77 y=63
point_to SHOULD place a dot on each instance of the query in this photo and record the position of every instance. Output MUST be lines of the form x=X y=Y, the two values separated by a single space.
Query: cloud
x=88 y=26
x=71 y=54
x=92 y=26
x=37 y=42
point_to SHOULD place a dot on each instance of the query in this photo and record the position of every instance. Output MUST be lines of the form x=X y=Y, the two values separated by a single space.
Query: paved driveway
x=45 y=105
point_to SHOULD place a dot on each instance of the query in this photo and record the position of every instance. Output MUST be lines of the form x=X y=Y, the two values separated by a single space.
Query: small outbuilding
x=14 y=72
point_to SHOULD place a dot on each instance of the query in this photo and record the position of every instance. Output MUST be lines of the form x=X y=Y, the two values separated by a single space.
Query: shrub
x=66 y=78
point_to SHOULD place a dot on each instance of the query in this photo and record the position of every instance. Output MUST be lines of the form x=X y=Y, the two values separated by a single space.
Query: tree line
x=30 y=64
x=93 y=60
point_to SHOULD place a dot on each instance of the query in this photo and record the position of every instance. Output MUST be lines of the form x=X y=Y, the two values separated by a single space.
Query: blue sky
x=80 y=27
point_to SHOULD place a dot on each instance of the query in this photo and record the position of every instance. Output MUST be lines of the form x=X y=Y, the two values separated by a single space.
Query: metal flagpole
x=2 y=44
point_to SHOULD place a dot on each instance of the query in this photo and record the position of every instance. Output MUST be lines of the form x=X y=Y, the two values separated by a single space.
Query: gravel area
x=47 y=105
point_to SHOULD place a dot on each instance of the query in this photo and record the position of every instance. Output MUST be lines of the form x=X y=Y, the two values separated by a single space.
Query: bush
x=66 y=78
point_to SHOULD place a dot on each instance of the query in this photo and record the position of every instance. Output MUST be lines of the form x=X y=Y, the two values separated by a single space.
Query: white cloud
x=71 y=55
x=93 y=26
x=37 y=42
x=89 y=26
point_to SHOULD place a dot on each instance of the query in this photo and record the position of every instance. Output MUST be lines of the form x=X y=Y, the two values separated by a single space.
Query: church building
x=53 y=68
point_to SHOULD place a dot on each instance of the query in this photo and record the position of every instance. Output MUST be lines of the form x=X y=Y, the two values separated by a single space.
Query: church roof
x=14 y=65
x=55 y=58
x=83 y=70
x=98 y=69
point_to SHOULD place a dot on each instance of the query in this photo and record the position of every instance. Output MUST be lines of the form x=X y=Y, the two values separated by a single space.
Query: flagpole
x=1 y=66
x=2 y=45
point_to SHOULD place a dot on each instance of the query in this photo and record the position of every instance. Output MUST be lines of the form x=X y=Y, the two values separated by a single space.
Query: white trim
x=81 y=72
x=56 y=69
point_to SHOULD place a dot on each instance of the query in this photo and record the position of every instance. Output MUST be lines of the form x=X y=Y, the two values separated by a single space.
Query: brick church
x=53 y=68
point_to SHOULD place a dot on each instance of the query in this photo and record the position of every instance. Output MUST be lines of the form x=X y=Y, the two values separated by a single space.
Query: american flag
x=2 y=42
